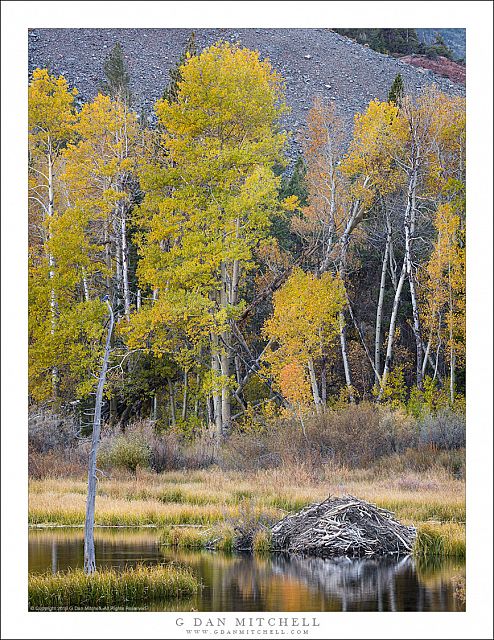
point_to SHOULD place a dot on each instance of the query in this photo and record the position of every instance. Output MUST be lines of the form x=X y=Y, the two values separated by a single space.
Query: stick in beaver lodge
x=343 y=526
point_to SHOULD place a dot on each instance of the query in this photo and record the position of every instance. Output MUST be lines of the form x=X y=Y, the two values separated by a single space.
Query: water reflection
x=273 y=583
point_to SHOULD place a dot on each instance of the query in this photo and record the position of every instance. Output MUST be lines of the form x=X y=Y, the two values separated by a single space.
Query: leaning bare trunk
x=427 y=350
x=379 y=314
x=409 y=234
x=89 y=557
x=345 y=239
x=392 y=327
x=416 y=330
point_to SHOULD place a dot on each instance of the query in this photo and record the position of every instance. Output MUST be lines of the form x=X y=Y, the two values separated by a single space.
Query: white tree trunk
x=185 y=394
x=85 y=285
x=314 y=385
x=379 y=313
x=89 y=557
x=344 y=355
x=173 y=413
x=51 y=264
x=409 y=233
x=216 y=370
x=125 y=263
x=392 y=327
x=226 y=296
x=427 y=350
x=452 y=355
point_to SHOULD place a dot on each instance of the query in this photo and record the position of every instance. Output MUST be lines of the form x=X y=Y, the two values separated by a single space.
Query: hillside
x=453 y=38
x=312 y=61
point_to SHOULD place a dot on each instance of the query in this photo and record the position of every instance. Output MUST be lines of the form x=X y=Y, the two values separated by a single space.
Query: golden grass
x=212 y=496
x=440 y=540
x=261 y=543
x=219 y=537
x=69 y=509
x=109 y=588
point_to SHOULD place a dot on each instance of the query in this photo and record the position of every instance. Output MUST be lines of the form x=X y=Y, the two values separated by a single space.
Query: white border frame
x=476 y=17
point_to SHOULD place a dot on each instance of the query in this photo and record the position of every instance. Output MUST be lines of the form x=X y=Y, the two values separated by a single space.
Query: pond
x=273 y=583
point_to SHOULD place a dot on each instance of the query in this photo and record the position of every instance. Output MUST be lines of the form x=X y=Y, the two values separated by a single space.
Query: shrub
x=425 y=458
x=48 y=430
x=170 y=452
x=56 y=463
x=127 y=451
x=355 y=434
x=397 y=427
x=445 y=430
x=248 y=451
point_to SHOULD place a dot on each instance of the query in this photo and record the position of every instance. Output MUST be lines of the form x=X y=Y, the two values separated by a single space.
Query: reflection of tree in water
x=357 y=583
x=271 y=583
x=330 y=584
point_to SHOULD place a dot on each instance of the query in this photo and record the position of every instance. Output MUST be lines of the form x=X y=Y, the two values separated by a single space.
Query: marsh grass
x=109 y=588
x=261 y=542
x=218 y=500
x=52 y=508
x=219 y=537
x=440 y=540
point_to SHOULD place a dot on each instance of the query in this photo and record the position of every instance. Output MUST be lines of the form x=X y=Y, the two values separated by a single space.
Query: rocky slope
x=314 y=62
x=440 y=65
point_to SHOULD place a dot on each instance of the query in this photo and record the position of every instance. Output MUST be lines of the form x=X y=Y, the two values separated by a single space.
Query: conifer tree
x=397 y=91
x=117 y=76
x=171 y=91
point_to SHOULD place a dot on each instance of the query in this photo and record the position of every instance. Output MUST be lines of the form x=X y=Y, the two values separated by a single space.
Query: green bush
x=125 y=452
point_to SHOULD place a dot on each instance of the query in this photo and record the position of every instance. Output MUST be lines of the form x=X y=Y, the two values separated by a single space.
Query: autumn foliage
x=232 y=290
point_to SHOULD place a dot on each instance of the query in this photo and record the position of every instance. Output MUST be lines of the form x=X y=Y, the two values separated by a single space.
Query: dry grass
x=213 y=496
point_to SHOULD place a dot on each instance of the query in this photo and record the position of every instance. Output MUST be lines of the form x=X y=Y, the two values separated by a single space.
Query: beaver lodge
x=343 y=526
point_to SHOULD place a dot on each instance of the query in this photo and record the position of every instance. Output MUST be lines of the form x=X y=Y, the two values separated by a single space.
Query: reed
x=219 y=537
x=261 y=542
x=440 y=540
x=109 y=588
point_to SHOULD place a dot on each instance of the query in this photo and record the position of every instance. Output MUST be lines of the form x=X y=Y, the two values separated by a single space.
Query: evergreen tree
x=397 y=91
x=296 y=185
x=171 y=91
x=117 y=80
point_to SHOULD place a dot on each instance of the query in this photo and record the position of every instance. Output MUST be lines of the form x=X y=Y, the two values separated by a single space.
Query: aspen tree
x=212 y=199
